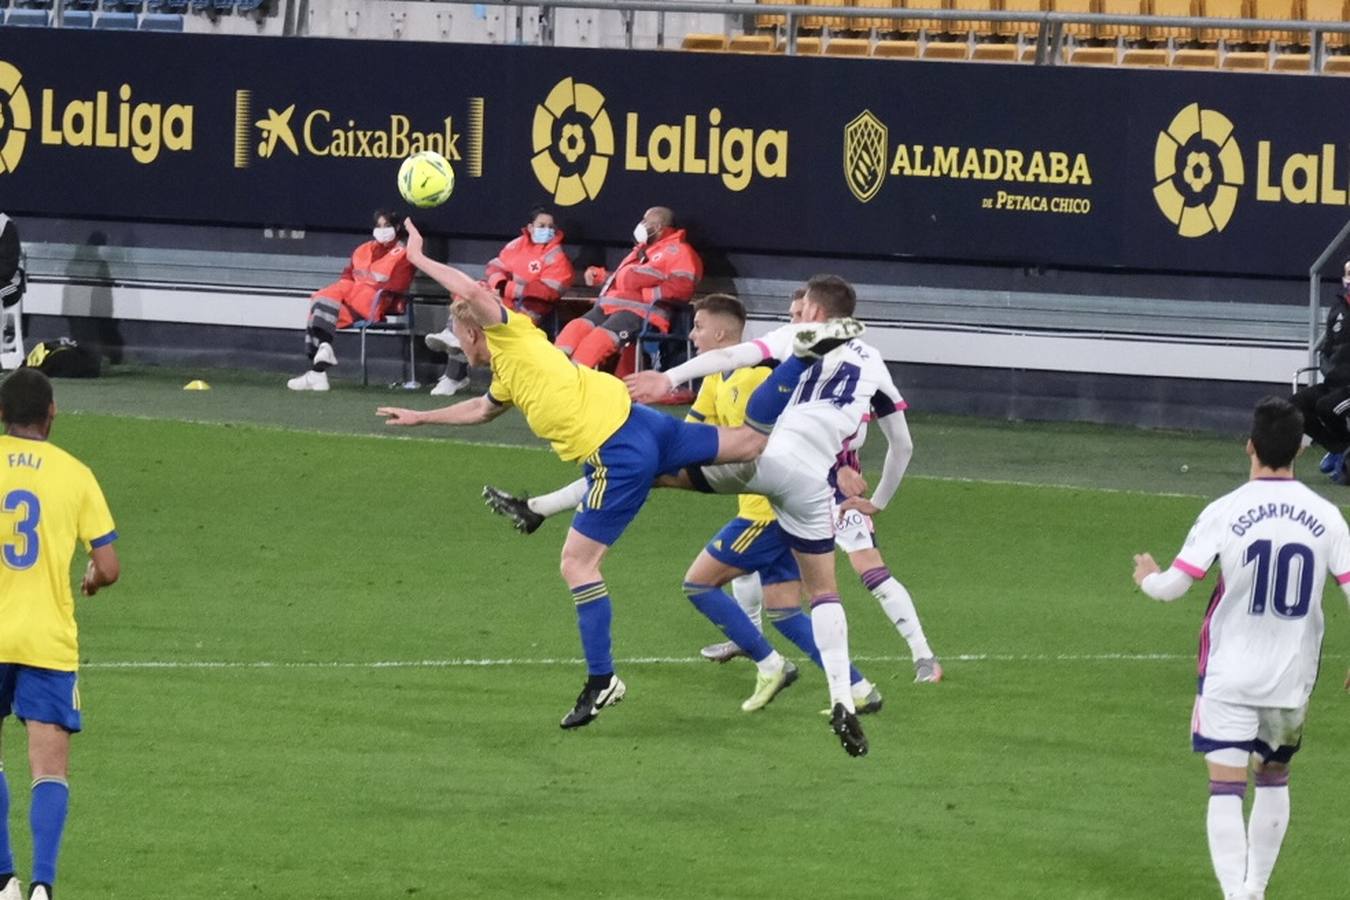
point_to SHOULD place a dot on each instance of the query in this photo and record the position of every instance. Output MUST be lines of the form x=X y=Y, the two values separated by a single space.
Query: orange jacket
x=663 y=272
x=374 y=267
x=524 y=269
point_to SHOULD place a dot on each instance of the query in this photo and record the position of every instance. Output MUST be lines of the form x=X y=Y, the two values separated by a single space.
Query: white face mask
x=640 y=233
x=386 y=234
x=542 y=234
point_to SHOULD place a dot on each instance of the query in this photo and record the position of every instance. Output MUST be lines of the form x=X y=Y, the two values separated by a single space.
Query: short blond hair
x=461 y=310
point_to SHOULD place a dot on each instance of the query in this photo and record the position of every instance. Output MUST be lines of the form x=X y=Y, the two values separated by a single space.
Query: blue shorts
x=756 y=547
x=40 y=695
x=619 y=475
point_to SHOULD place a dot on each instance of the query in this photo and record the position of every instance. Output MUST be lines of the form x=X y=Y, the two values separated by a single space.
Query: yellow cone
x=197 y=385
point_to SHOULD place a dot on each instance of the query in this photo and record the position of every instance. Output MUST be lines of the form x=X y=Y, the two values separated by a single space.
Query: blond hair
x=461 y=310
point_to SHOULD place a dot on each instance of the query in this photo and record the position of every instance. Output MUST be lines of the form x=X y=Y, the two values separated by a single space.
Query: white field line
x=468 y=663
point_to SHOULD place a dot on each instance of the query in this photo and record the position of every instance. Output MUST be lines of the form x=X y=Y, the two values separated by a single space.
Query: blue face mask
x=542 y=234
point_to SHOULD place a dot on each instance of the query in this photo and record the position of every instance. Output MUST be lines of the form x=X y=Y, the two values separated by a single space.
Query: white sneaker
x=447 y=386
x=442 y=341
x=39 y=892
x=325 y=354
x=310 y=381
x=12 y=891
x=814 y=339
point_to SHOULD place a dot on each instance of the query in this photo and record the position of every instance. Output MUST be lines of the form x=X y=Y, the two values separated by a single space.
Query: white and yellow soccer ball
x=425 y=179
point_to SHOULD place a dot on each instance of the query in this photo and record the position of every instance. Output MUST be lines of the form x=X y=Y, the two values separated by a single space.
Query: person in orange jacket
x=530 y=273
x=661 y=269
x=377 y=265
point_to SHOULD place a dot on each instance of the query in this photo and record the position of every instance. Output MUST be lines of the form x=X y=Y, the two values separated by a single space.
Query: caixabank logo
x=1197 y=170
x=575 y=142
x=269 y=129
x=108 y=120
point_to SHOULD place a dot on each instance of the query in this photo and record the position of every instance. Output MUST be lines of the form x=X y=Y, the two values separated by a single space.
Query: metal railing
x=1049 y=40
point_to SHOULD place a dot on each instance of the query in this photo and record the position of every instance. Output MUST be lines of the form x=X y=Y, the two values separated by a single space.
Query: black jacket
x=1333 y=351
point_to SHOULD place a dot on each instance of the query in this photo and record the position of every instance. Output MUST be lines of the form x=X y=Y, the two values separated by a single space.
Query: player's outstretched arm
x=650 y=386
x=899 y=451
x=104 y=569
x=1165 y=586
x=470 y=412
x=484 y=303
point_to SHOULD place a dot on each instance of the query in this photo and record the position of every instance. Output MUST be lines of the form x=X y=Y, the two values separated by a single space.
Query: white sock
x=561 y=500
x=1265 y=833
x=830 y=629
x=1227 y=841
x=899 y=607
x=771 y=664
x=749 y=594
x=862 y=688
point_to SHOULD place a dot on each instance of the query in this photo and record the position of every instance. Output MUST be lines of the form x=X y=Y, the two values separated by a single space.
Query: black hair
x=25 y=398
x=1277 y=432
x=832 y=294
x=393 y=218
x=536 y=211
x=722 y=304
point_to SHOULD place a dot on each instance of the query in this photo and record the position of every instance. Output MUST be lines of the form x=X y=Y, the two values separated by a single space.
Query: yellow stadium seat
x=954 y=49
x=1144 y=56
x=754 y=43
x=1277 y=9
x=774 y=21
x=704 y=42
x=808 y=46
x=1177 y=8
x=1337 y=65
x=1196 y=58
x=1131 y=32
x=1078 y=29
x=848 y=47
x=1221 y=9
x=1292 y=62
x=1247 y=61
x=896 y=49
x=1027 y=29
x=1328 y=11
x=933 y=26
x=816 y=22
x=1093 y=56
x=988 y=52
x=974 y=26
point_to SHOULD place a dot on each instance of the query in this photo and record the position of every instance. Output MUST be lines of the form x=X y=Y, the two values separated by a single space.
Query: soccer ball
x=425 y=179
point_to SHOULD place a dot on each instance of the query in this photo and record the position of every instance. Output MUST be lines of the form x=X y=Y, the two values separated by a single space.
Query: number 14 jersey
x=830 y=401
x=1275 y=540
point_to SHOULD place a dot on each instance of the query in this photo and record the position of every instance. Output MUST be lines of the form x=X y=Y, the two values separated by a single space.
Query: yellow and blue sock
x=727 y=615
x=795 y=625
x=769 y=400
x=6 y=851
x=47 y=818
x=594 y=614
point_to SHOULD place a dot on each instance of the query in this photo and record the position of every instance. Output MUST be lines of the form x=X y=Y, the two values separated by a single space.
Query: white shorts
x=853 y=530
x=1273 y=733
x=802 y=502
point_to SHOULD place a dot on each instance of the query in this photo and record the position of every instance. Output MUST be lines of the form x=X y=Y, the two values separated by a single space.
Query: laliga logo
x=865 y=155
x=15 y=118
x=1197 y=168
x=573 y=141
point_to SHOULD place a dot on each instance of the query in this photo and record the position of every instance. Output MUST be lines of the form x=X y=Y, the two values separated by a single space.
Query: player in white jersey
x=826 y=399
x=1261 y=640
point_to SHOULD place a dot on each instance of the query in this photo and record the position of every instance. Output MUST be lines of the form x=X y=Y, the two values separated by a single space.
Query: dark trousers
x=1325 y=410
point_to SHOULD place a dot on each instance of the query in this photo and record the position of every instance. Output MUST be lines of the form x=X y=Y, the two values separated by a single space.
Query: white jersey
x=1275 y=540
x=830 y=401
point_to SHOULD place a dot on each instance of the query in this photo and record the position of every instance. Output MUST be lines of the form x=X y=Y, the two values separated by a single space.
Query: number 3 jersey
x=48 y=501
x=1262 y=636
x=830 y=401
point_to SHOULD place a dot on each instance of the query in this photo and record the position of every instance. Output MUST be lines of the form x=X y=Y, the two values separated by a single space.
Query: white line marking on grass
x=469 y=663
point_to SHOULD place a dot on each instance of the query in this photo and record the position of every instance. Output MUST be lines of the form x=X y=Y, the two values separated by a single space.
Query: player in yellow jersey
x=49 y=501
x=588 y=418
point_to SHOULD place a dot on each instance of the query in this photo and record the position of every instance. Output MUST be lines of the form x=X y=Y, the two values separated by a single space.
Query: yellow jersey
x=48 y=501
x=574 y=408
x=722 y=400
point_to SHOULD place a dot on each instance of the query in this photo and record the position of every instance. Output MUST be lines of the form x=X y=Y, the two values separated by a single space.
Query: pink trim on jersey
x=902 y=405
x=1215 y=599
x=763 y=348
x=1193 y=571
x=1342 y=579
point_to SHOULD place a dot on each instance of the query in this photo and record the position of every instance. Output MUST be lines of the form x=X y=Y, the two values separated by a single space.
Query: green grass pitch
x=329 y=672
